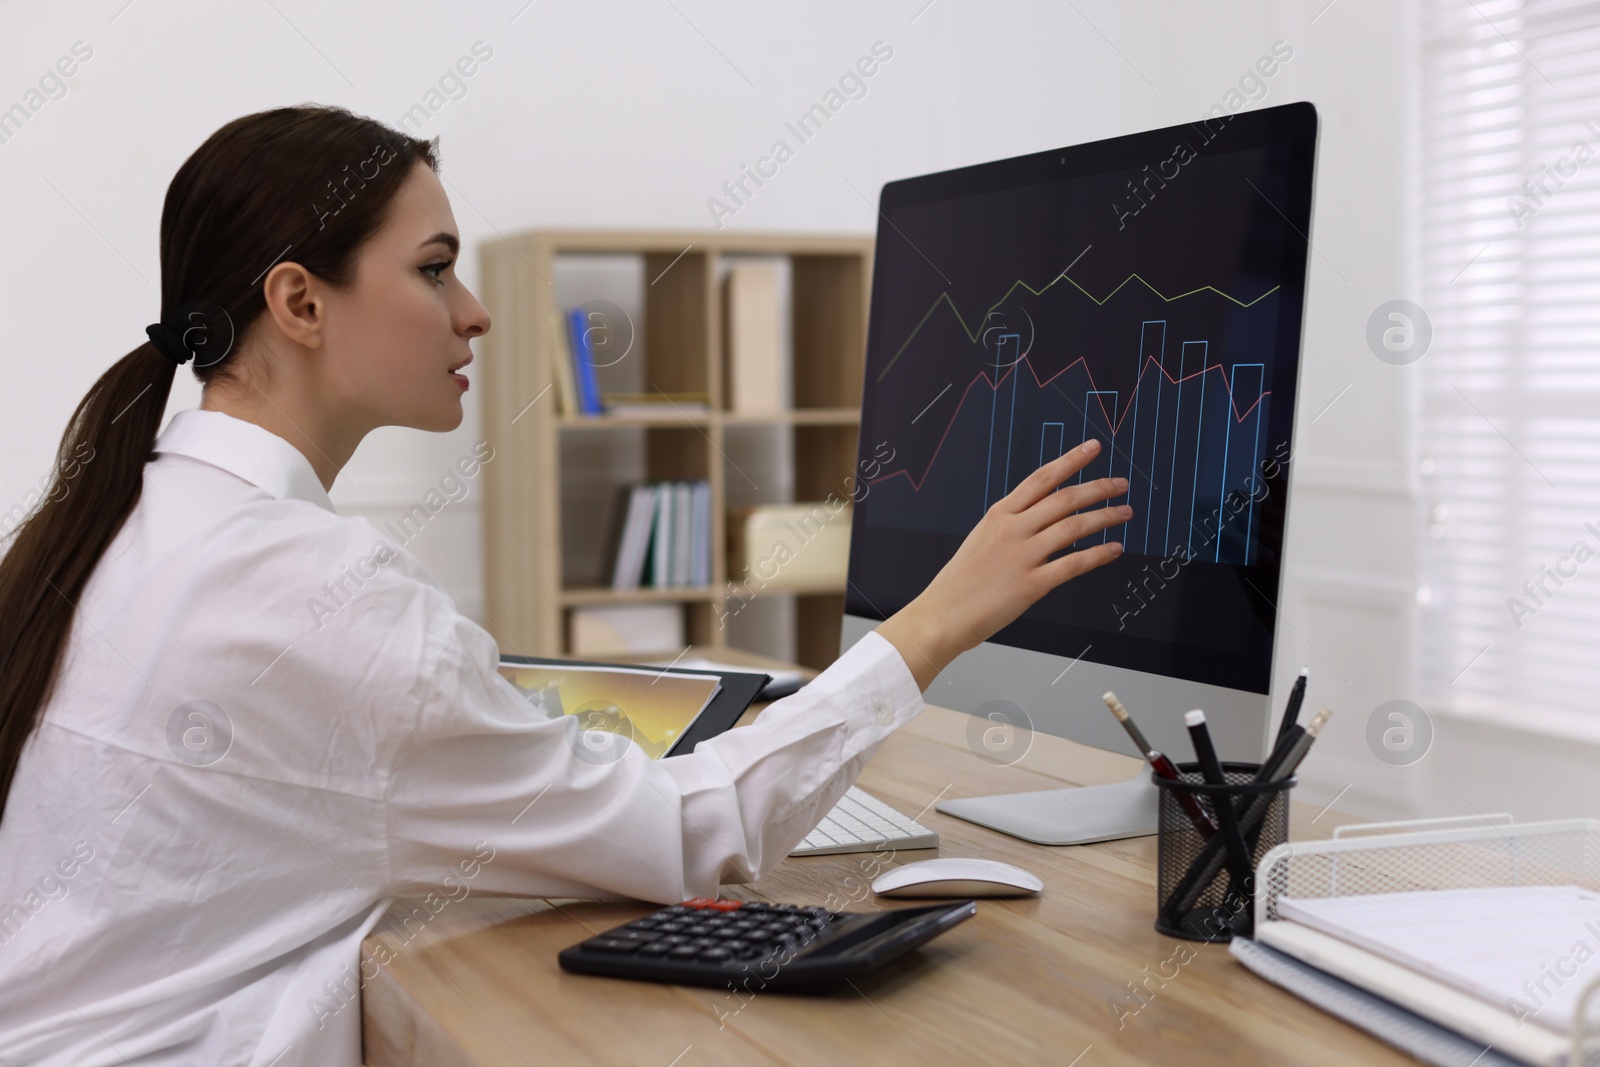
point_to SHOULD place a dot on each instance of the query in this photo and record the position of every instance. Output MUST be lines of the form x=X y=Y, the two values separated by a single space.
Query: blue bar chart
x=1201 y=442
x=1187 y=436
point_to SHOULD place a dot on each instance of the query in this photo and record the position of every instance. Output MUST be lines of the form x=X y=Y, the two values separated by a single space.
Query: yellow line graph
x=972 y=335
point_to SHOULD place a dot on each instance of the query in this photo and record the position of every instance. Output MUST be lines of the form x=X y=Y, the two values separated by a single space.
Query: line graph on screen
x=1175 y=387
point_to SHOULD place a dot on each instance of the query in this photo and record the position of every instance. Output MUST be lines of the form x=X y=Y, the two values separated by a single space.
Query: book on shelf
x=577 y=384
x=665 y=537
x=588 y=385
x=634 y=542
x=661 y=540
x=561 y=358
x=701 y=536
x=682 y=530
x=753 y=332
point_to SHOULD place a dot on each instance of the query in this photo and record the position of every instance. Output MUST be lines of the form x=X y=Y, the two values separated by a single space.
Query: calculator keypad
x=715 y=931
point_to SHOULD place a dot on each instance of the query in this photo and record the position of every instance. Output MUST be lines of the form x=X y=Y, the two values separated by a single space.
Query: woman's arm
x=562 y=819
x=1005 y=563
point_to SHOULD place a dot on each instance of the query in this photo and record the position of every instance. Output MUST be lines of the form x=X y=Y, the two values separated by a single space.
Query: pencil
x=1203 y=822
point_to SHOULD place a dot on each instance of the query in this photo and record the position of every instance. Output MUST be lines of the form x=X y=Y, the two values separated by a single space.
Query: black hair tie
x=168 y=342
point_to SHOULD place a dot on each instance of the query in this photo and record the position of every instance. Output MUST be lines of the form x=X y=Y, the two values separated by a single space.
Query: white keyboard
x=860 y=822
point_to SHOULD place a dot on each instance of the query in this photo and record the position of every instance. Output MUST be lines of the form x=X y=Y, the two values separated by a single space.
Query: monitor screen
x=1146 y=291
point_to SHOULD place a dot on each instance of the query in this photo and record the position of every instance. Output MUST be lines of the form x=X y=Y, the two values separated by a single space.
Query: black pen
x=1297 y=696
x=1282 y=764
x=1235 y=853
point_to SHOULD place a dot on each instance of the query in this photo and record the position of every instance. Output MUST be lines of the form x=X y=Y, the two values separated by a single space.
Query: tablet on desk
x=665 y=711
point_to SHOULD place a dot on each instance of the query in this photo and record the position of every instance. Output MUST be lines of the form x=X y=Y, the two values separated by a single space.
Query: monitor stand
x=1070 y=815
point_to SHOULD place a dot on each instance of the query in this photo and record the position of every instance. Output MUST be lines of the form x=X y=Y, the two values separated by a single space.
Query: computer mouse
x=956 y=877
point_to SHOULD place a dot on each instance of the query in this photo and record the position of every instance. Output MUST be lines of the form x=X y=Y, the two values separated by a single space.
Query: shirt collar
x=246 y=450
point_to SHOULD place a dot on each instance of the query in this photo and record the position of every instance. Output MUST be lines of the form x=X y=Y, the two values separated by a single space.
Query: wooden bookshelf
x=530 y=584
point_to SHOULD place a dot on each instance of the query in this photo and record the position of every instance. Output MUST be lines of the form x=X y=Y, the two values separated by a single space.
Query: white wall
x=632 y=114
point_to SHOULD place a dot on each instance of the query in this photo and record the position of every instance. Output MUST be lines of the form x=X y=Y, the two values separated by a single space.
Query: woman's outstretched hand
x=1005 y=563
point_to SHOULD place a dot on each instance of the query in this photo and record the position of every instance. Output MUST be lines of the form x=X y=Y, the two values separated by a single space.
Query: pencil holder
x=1205 y=881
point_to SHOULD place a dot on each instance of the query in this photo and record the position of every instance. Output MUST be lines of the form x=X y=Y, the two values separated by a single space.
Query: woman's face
x=396 y=332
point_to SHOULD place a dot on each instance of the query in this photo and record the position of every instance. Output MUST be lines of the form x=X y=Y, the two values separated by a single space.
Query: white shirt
x=183 y=885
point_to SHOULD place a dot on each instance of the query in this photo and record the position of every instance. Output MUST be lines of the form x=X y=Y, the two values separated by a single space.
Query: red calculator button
x=725 y=905
x=699 y=902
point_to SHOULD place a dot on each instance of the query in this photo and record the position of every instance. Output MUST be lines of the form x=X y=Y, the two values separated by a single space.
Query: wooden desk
x=1043 y=980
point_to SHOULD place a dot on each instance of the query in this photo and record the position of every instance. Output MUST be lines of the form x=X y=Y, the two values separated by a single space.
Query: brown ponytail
x=304 y=184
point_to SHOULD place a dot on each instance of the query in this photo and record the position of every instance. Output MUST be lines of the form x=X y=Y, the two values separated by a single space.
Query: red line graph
x=917 y=483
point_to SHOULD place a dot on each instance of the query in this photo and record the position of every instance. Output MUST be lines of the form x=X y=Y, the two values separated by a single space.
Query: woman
x=211 y=793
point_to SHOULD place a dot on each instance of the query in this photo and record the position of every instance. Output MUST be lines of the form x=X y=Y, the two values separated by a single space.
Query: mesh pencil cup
x=1202 y=892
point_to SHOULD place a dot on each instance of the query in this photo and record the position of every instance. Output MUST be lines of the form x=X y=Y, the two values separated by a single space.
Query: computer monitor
x=1144 y=290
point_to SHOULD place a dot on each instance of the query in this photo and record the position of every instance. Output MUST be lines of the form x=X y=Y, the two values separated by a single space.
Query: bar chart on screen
x=1176 y=389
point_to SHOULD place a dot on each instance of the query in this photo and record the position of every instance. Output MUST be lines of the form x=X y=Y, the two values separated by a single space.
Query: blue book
x=700 y=572
x=583 y=363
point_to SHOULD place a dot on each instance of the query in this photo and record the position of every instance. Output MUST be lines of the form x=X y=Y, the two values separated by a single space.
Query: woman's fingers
x=1076 y=527
x=1075 y=563
x=1042 y=482
x=1008 y=561
x=1070 y=498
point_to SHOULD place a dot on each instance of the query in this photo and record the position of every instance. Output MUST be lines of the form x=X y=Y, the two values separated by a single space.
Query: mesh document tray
x=1443 y=854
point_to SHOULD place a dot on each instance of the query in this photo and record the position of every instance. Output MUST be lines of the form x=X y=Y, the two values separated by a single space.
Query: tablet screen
x=652 y=708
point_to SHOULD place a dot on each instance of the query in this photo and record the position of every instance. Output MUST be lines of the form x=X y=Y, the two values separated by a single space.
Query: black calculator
x=754 y=945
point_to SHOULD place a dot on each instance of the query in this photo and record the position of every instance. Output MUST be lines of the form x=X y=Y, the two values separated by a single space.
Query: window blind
x=1510 y=428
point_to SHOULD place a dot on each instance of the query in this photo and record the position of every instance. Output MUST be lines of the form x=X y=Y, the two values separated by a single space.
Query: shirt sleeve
x=487 y=784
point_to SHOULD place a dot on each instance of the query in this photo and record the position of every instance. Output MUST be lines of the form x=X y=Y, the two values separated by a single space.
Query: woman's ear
x=294 y=301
